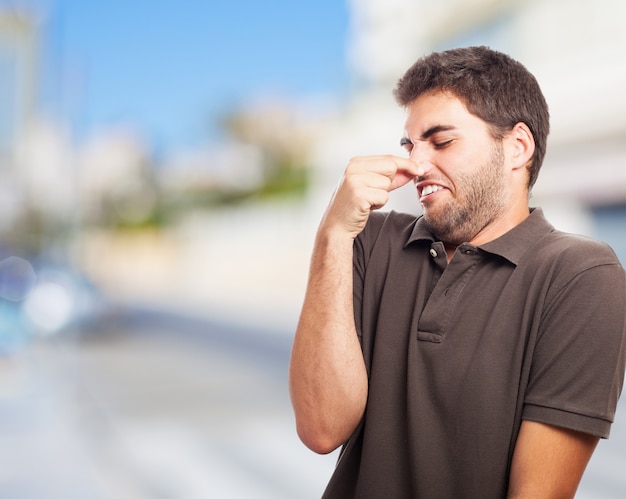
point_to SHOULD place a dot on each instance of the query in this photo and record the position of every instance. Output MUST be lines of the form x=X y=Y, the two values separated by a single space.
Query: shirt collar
x=511 y=245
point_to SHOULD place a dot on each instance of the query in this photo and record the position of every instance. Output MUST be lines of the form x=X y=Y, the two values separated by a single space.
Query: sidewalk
x=247 y=265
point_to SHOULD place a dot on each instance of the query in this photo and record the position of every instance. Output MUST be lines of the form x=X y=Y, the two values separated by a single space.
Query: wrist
x=335 y=236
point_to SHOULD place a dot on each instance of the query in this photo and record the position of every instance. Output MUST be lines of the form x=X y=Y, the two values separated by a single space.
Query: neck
x=503 y=224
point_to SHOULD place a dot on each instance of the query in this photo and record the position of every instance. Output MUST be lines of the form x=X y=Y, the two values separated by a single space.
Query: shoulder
x=572 y=251
x=384 y=235
x=389 y=221
x=561 y=260
x=394 y=227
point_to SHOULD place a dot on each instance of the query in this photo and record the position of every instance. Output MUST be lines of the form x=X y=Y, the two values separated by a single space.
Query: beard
x=479 y=200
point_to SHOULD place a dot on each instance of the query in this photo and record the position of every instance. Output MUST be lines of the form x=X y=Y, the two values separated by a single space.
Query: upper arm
x=548 y=462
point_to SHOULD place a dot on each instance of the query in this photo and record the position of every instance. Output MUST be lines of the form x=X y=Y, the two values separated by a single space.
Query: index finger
x=406 y=170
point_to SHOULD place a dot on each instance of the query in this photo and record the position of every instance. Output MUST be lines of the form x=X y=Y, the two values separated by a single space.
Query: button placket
x=442 y=300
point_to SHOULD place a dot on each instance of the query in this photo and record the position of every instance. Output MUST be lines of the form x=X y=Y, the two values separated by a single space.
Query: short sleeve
x=577 y=369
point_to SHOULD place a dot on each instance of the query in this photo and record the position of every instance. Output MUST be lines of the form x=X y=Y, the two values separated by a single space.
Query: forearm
x=327 y=377
x=548 y=462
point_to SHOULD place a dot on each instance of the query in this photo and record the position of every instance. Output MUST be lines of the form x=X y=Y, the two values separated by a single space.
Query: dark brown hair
x=493 y=87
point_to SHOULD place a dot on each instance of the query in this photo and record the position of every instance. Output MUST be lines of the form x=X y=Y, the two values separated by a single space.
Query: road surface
x=153 y=406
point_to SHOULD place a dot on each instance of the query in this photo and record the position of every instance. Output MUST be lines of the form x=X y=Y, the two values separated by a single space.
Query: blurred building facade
x=17 y=101
x=50 y=185
x=576 y=49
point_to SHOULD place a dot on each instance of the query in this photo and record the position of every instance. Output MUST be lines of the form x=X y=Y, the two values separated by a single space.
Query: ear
x=522 y=145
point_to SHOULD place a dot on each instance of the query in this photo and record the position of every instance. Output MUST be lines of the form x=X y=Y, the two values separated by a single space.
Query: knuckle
x=354 y=163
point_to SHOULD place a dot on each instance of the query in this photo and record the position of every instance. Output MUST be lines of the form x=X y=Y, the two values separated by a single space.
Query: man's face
x=463 y=187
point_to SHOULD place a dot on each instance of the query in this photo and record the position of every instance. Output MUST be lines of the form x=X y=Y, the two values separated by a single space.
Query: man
x=473 y=352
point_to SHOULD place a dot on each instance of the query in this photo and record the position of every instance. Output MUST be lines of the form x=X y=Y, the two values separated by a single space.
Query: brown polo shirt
x=528 y=326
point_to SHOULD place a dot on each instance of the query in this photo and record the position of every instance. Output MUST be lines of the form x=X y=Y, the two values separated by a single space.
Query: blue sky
x=170 y=67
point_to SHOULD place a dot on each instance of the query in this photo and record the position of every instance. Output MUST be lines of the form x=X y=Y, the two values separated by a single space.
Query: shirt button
x=433 y=253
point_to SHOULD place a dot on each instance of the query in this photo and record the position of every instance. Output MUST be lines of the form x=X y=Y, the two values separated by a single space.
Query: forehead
x=434 y=109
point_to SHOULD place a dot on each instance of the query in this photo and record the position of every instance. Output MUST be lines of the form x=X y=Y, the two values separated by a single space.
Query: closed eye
x=407 y=144
x=443 y=145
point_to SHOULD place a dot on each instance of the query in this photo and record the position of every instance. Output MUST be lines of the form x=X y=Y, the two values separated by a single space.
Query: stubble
x=477 y=202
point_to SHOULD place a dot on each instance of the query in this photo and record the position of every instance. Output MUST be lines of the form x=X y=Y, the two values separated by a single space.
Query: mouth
x=425 y=191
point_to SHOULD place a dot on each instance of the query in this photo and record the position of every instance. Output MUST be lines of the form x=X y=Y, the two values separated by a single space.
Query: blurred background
x=163 y=167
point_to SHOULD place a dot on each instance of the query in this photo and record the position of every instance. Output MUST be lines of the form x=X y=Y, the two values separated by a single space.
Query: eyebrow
x=436 y=129
x=428 y=133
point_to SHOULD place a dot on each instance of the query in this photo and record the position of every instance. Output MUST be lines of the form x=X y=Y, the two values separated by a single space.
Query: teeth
x=429 y=189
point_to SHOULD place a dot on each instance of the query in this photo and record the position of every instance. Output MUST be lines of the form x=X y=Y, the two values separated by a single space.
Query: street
x=151 y=405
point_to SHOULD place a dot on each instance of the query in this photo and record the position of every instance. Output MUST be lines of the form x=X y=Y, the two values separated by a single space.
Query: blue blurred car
x=41 y=300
